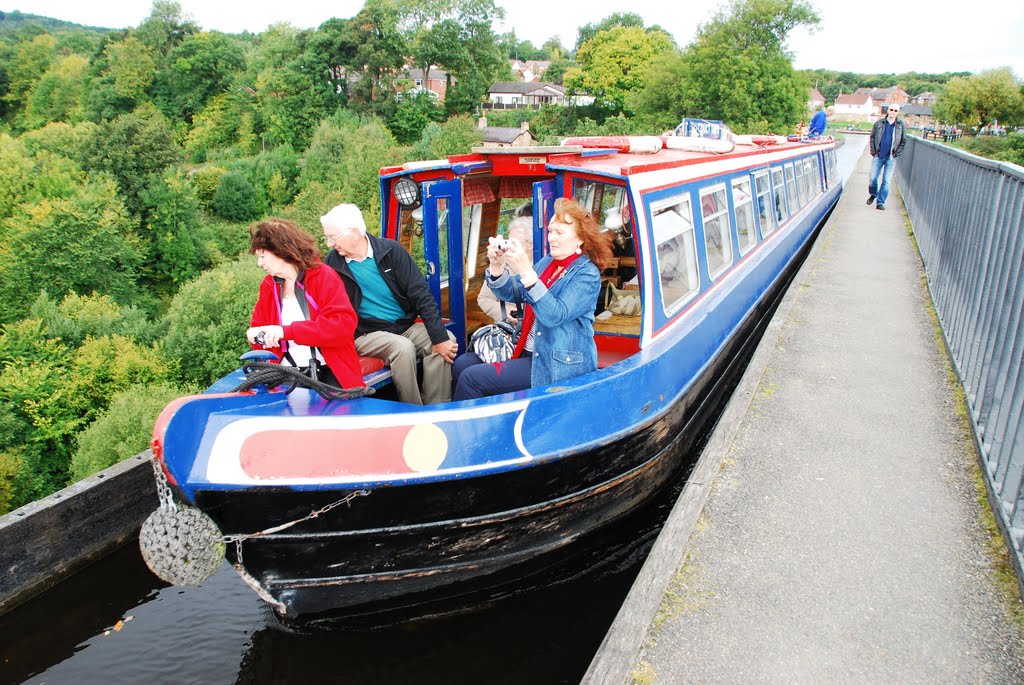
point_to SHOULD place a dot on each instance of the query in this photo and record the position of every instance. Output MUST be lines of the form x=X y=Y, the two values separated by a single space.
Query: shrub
x=123 y=430
x=207 y=320
x=235 y=199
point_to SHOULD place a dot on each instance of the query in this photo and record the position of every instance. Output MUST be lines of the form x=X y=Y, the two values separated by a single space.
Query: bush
x=80 y=316
x=207 y=320
x=122 y=431
x=235 y=199
x=205 y=182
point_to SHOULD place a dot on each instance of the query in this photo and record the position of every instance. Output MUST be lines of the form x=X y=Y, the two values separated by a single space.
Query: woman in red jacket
x=302 y=304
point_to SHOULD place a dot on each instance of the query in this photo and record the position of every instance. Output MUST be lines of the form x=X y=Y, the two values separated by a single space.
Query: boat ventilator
x=183 y=546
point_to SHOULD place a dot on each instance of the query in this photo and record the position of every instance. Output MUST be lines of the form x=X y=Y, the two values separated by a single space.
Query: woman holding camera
x=560 y=293
x=302 y=307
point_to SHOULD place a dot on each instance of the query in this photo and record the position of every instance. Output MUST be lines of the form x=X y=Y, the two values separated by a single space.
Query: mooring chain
x=163 y=488
x=239 y=538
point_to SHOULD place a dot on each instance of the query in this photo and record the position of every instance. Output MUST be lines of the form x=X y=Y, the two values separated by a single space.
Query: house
x=516 y=94
x=926 y=98
x=815 y=100
x=436 y=81
x=885 y=96
x=530 y=70
x=854 y=107
x=917 y=116
x=503 y=136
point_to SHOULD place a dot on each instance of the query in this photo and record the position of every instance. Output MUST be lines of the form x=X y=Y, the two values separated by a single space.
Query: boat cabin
x=680 y=221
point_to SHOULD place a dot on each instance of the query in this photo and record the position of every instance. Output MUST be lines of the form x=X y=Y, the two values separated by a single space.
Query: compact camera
x=501 y=244
x=261 y=338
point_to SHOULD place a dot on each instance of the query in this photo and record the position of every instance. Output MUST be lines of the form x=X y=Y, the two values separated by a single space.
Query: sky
x=850 y=38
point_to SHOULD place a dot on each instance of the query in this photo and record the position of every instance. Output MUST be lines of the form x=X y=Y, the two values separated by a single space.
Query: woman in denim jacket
x=560 y=292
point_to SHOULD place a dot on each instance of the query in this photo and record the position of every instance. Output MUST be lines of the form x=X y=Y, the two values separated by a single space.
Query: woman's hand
x=496 y=256
x=518 y=261
x=272 y=336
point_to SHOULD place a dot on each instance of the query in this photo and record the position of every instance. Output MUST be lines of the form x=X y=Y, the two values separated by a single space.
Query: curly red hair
x=596 y=244
x=284 y=239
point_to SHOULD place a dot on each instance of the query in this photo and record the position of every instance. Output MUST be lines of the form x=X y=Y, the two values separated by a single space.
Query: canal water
x=116 y=622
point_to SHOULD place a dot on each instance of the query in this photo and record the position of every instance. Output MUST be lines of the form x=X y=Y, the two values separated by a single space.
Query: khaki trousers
x=401 y=352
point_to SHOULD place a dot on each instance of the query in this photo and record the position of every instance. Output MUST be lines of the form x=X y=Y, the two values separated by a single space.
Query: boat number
x=531 y=160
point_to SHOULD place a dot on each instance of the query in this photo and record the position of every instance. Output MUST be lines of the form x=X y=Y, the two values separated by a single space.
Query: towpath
x=831 y=531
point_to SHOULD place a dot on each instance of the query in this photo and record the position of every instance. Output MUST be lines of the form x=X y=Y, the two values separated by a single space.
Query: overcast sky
x=865 y=37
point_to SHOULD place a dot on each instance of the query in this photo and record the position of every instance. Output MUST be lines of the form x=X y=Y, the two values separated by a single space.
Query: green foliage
x=207 y=320
x=278 y=168
x=105 y=257
x=1001 y=148
x=205 y=182
x=122 y=431
x=201 y=66
x=616 y=19
x=58 y=93
x=235 y=198
x=61 y=138
x=978 y=100
x=612 y=64
x=412 y=114
x=28 y=60
x=78 y=317
x=457 y=136
x=132 y=148
x=174 y=230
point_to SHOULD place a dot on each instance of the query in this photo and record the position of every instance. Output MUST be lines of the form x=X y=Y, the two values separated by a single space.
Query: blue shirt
x=818 y=122
x=885 y=145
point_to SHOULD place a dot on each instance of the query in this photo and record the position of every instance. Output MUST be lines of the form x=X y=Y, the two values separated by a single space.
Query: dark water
x=117 y=623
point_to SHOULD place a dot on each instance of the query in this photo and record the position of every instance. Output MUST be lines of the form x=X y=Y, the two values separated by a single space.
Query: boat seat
x=375 y=374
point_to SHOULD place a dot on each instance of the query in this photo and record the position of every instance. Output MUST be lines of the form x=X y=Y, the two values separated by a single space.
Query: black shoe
x=871 y=198
x=879 y=206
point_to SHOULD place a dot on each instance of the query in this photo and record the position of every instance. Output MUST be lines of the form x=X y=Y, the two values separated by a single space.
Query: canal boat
x=366 y=506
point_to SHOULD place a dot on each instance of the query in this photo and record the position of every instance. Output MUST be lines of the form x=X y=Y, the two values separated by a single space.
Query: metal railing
x=967 y=214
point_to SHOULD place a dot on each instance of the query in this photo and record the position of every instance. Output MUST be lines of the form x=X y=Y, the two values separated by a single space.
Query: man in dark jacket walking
x=389 y=293
x=888 y=138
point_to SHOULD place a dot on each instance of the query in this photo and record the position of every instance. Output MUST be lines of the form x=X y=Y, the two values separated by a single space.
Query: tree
x=122 y=75
x=202 y=66
x=105 y=257
x=30 y=59
x=235 y=199
x=737 y=70
x=623 y=19
x=122 y=430
x=58 y=93
x=412 y=114
x=612 y=64
x=177 y=251
x=207 y=320
x=165 y=27
x=993 y=95
x=132 y=148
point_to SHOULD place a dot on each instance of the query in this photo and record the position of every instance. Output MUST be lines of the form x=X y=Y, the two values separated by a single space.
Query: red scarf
x=552 y=273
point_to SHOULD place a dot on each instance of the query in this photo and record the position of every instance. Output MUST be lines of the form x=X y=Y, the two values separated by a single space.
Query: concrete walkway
x=840 y=540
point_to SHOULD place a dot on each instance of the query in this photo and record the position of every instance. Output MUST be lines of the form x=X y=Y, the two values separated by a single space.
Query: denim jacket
x=564 y=343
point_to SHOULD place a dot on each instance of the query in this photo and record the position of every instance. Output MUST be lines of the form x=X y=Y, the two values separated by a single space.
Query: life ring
x=633 y=144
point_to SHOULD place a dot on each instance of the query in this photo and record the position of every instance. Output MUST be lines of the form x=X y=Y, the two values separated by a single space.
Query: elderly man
x=389 y=292
x=888 y=138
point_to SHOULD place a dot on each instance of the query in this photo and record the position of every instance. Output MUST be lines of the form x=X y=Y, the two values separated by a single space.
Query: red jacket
x=331 y=326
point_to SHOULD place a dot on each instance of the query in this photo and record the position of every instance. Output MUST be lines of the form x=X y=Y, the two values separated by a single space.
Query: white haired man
x=389 y=292
x=888 y=138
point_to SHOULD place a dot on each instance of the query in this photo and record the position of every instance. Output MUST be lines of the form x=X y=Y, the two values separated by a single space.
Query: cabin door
x=443 y=252
x=543 y=209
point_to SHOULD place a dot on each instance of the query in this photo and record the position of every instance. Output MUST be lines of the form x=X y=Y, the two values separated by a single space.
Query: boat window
x=744 y=204
x=764 y=203
x=813 y=176
x=607 y=203
x=717 y=231
x=779 y=184
x=794 y=200
x=801 y=183
x=676 y=247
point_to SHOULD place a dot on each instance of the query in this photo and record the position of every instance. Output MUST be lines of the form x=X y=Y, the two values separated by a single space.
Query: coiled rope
x=274 y=375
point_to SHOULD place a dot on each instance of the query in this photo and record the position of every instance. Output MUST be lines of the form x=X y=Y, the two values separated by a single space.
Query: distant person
x=389 y=292
x=560 y=292
x=520 y=229
x=302 y=308
x=819 y=121
x=888 y=138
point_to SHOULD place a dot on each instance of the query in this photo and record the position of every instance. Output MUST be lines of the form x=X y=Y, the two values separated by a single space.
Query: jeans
x=877 y=164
